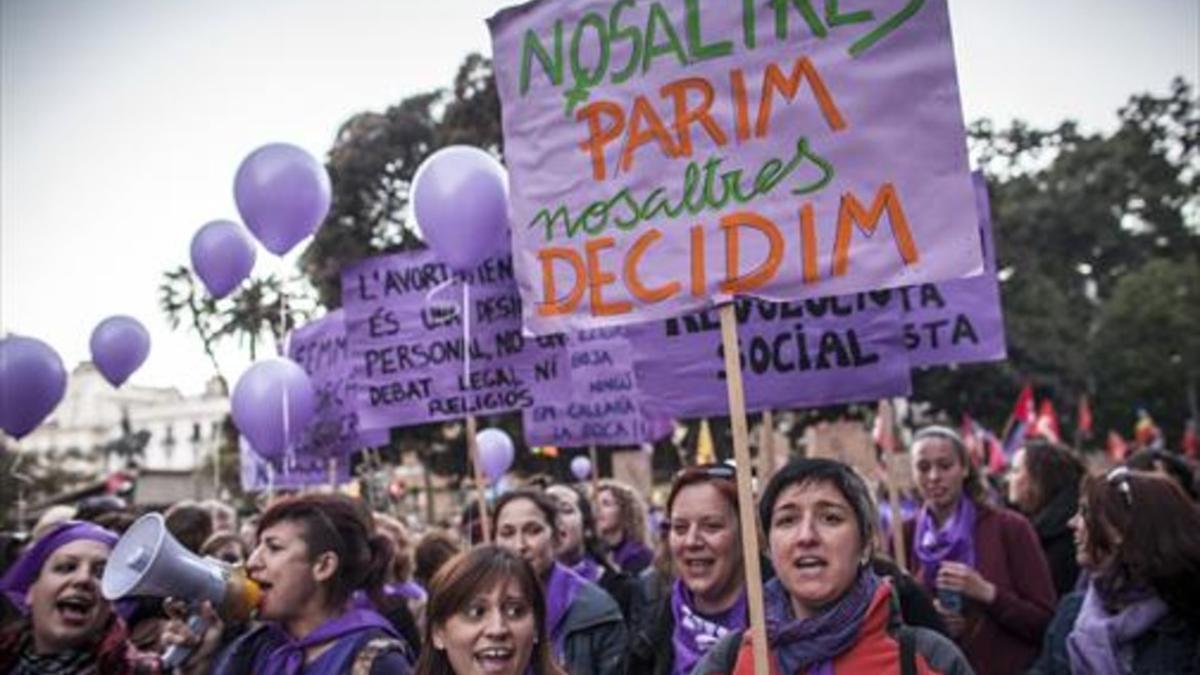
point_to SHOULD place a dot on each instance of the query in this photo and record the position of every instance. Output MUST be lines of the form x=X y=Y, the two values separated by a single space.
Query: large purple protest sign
x=605 y=403
x=819 y=351
x=260 y=474
x=406 y=335
x=321 y=349
x=665 y=156
x=958 y=321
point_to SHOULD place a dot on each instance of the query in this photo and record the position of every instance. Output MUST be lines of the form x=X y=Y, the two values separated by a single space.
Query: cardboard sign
x=664 y=156
x=406 y=333
x=321 y=348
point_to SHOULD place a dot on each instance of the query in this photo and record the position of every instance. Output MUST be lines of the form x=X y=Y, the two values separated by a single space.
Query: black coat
x=1058 y=542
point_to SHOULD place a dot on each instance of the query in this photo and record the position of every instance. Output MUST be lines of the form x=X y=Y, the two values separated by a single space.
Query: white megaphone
x=149 y=561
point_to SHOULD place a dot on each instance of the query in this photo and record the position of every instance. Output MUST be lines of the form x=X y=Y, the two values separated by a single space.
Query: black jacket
x=1058 y=543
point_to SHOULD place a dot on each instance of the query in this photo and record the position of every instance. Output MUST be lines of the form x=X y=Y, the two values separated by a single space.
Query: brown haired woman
x=621 y=523
x=984 y=564
x=313 y=553
x=486 y=614
x=1044 y=485
x=1138 y=536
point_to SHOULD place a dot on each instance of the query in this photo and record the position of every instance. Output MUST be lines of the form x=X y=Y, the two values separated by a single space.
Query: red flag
x=1118 y=450
x=1146 y=433
x=1046 y=424
x=970 y=435
x=1084 y=421
x=1023 y=409
x=885 y=427
x=1191 y=444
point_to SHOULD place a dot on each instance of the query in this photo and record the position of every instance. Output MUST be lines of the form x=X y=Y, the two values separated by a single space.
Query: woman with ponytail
x=314 y=553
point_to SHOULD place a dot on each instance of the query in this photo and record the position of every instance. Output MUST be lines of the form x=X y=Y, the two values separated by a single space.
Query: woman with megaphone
x=65 y=624
x=313 y=553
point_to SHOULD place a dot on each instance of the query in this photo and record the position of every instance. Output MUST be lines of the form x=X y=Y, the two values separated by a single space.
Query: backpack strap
x=376 y=647
x=908 y=651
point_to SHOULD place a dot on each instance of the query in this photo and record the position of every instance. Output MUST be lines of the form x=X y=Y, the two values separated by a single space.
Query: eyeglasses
x=1120 y=478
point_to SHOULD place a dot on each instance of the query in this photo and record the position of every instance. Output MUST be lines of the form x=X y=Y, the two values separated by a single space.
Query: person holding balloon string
x=587 y=631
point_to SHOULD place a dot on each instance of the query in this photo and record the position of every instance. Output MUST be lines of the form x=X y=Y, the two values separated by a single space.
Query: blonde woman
x=621 y=524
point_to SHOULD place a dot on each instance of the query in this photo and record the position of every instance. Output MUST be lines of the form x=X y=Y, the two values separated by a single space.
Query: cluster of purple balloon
x=283 y=194
x=460 y=202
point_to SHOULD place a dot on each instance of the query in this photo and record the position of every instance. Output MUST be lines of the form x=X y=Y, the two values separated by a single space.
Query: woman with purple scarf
x=621 y=523
x=65 y=626
x=587 y=632
x=1137 y=536
x=314 y=553
x=826 y=610
x=707 y=600
x=580 y=549
x=984 y=565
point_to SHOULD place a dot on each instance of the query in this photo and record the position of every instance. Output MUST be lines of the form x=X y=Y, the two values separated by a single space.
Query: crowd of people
x=1060 y=570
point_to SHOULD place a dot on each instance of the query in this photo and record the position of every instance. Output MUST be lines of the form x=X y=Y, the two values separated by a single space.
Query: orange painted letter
x=732 y=223
x=599 y=135
x=774 y=80
x=598 y=279
x=552 y=305
x=634 y=283
x=685 y=116
x=852 y=213
x=643 y=113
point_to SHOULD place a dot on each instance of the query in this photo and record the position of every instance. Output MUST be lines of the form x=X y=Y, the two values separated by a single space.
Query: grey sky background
x=122 y=122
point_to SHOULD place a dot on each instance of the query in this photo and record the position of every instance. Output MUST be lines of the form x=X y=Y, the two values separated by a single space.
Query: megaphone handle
x=177 y=654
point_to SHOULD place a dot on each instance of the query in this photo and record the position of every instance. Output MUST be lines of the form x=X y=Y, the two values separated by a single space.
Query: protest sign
x=321 y=349
x=664 y=156
x=958 y=321
x=847 y=442
x=801 y=353
x=260 y=474
x=604 y=406
x=406 y=337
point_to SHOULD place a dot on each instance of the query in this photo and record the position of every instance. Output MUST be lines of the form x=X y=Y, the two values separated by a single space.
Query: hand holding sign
x=32 y=382
x=273 y=402
x=460 y=200
x=283 y=194
x=222 y=256
x=120 y=345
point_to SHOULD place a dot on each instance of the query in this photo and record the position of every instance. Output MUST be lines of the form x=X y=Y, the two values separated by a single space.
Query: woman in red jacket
x=983 y=564
x=827 y=611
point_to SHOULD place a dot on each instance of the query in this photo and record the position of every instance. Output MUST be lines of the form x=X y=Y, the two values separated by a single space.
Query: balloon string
x=285 y=347
x=466 y=332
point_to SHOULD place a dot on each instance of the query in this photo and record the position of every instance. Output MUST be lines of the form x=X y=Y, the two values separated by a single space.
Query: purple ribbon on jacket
x=813 y=643
x=588 y=569
x=696 y=633
x=632 y=556
x=561 y=590
x=25 y=570
x=955 y=541
x=288 y=657
x=1098 y=637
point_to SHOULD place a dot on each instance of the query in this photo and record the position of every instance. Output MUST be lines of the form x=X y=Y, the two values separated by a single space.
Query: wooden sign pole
x=594 y=455
x=766 y=450
x=480 y=479
x=741 y=453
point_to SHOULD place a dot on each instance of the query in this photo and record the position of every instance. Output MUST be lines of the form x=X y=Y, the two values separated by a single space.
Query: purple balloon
x=32 y=382
x=259 y=399
x=283 y=194
x=581 y=467
x=120 y=345
x=222 y=255
x=460 y=200
x=496 y=452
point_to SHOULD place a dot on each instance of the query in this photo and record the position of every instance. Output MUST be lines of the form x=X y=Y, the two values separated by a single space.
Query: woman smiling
x=486 y=614
x=826 y=610
x=587 y=631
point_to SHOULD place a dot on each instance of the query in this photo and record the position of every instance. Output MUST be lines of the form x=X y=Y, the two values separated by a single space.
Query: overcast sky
x=122 y=122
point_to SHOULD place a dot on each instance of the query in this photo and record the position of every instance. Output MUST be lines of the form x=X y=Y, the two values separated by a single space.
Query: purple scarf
x=954 y=542
x=696 y=633
x=1095 y=643
x=632 y=556
x=561 y=590
x=814 y=642
x=288 y=657
x=409 y=590
x=25 y=570
x=588 y=569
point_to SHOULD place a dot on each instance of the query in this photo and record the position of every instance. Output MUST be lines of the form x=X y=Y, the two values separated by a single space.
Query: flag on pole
x=1191 y=443
x=884 y=431
x=1019 y=422
x=1046 y=424
x=1083 y=422
x=706 y=452
x=1146 y=433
